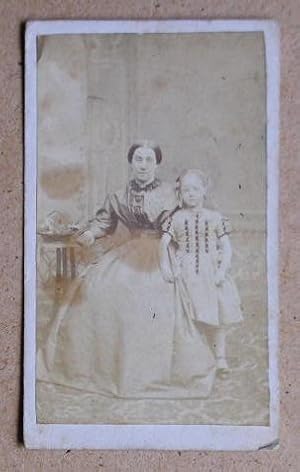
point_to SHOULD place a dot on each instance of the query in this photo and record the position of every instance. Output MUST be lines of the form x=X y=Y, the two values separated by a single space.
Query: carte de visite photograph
x=151 y=235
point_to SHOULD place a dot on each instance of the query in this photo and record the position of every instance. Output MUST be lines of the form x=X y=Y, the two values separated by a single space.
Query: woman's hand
x=86 y=238
x=219 y=277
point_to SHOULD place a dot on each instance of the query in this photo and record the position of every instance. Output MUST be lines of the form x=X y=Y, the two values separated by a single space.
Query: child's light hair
x=204 y=178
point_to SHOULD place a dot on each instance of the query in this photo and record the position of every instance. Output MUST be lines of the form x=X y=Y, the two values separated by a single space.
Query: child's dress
x=197 y=235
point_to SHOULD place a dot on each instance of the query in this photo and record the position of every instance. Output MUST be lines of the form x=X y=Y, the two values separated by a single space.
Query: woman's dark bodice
x=138 y=208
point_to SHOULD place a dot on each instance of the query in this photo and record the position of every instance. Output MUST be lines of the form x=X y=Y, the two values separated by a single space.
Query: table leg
x=65 y=262
x=58 y=263
x=72 y=263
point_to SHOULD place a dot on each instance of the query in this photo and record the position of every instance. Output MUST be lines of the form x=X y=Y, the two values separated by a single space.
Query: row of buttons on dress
x=187 y=240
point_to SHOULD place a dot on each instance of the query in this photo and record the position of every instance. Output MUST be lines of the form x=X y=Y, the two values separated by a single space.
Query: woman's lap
x=120 y=339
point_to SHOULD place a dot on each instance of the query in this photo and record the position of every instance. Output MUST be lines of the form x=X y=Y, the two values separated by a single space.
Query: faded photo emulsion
x=151 y=229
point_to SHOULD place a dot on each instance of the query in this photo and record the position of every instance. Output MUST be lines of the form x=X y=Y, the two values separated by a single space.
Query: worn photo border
x=180 y=437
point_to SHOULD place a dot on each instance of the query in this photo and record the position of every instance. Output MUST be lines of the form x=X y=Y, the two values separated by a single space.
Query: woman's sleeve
x=106 y=220
x=168 y=227
x=223 y=226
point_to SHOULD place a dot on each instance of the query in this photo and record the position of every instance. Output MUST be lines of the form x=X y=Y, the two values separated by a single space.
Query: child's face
x=192 y=191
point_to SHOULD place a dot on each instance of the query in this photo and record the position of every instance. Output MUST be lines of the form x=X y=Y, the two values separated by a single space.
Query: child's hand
x=176 y=270
x=167 y=273
x=219 y=277
x=86 y=239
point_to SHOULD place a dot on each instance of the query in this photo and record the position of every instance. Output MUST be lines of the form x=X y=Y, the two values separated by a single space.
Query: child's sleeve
x=223 y=226
x=168 y=227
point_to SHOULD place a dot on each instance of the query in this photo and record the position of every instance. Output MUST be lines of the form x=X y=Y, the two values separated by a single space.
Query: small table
x=63 y=259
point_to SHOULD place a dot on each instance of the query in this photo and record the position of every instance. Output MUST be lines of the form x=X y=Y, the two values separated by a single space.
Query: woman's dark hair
x=156 y=149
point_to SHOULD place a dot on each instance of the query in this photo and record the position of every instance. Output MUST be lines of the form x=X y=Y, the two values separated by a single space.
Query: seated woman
x=124 y=339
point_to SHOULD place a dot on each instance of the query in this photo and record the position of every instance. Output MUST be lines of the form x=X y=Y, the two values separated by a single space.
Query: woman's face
x=192 y=191
x=143 y=164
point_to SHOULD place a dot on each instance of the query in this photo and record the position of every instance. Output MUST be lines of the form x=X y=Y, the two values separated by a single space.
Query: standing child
x=202 y=261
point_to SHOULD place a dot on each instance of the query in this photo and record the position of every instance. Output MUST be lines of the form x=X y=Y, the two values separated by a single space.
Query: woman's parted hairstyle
x=154 y=147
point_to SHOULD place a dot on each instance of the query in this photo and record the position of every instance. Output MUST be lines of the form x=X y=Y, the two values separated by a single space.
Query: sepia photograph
x=151 y=234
